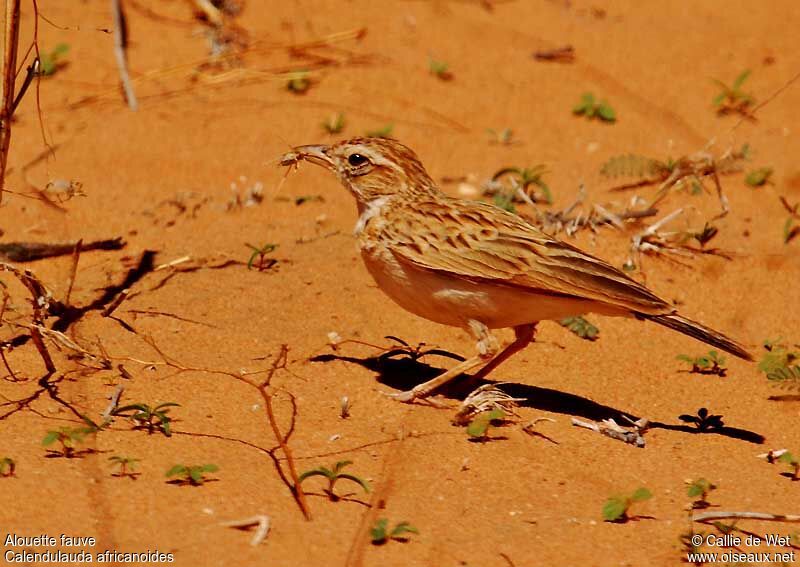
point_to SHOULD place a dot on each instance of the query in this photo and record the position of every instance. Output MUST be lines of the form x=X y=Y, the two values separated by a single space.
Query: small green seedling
x=616 y=507
x=334 y=124
x=259 y=255
x=299 y=82
x=581 y=327
x=382 y=132
x=794 y=464
x=779 y=364
x=704 y=421
x=733 y=99
x=440 y=69
x=478 y=428
x=699 y=490
x=759 y=177
x=126 y=466
x=380 y=532
x=527 y=179
x=504 y=137
x=194 y=474
x=50 y=62
x=68 y=437
x=591 y=108
x=334 y=475
x=406 y=351
x=790 y=229
x=7 y=466
x=149 y=418
x=711 y=363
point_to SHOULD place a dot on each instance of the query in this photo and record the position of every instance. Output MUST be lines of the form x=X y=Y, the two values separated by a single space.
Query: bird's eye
x=356 y=160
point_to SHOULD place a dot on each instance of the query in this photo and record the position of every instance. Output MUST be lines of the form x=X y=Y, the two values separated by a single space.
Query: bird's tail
x=699 y=332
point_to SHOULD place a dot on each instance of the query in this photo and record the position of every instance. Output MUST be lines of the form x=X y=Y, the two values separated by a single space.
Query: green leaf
x=403 y=528
x=355 y=479
x=322 y=471
x=694 y=490
x=758 y=177
x=50 y=438
x=196 y=474
x=605 y=112
x=685 y=358
x=788 y=458
x=340 y=465
x=641 y=495
x=378 y=531
x=210 y=467
x=741 y=79
x=383 y=132
x=581 y=327
x=480 y=423
x=177 y=470
x=718 y=100
x=614 y=509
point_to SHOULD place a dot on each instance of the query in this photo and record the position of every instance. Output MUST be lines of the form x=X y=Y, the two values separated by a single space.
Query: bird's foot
x=414 y=395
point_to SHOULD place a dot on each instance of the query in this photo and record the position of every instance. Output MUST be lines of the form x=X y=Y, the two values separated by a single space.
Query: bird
x=470 y=264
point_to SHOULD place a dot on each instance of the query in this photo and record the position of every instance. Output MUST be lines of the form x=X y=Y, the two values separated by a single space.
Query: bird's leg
x=488 y=358
x=524 y=336
x=487 y=349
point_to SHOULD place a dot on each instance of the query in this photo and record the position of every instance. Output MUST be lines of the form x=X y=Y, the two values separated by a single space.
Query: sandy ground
x=161 y=178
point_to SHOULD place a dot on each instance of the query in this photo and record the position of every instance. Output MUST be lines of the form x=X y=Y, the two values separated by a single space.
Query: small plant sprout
x=334 y=124
x=790 y=228
x=380 y=532
x=616 y=507
x=68 y=437
x=699 y=490
x=704 y=421
x=504 y=137
x=194 y=474
x=732 y=99
x=149 y=418
x=793 y=462
x=125 y=466
x=711 y=363
x=439 y=69
x=759 y=177
x=780 y=364
x=51 y=61
x=259 y=256
x=591 y=108
x=298 y=82
x=7 y=466
x=333 y=475
x=382 y=132
x=581 y=327
x=526 y=185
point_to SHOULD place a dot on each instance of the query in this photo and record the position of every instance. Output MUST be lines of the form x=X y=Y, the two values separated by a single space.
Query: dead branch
x=7 y=87
x=610 y=428
x=705 y=517
x=120 y=46
x=30 y=251
x=76 y=254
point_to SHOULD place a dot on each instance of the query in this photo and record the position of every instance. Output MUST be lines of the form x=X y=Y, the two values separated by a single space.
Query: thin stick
x=707 y=516
x=7 y=88
x=260 y=520
x=121 y=296
x=76 y=254
x=280 y=360
x=120 y=44
x=113 y=403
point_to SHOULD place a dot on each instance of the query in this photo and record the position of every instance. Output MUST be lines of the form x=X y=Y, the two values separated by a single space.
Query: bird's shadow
x=405 y=372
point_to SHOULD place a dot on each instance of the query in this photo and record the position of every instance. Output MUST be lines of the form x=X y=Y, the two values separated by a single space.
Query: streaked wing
x=480 y=242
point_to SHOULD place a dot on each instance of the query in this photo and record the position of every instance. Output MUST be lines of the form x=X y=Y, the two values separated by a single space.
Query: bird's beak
x=314 y=154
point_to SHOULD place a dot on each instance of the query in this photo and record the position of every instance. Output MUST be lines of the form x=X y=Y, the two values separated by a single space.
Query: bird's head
x=369 y=168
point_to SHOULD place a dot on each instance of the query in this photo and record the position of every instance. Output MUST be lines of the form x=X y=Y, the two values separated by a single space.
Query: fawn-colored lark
x=473 y=265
